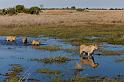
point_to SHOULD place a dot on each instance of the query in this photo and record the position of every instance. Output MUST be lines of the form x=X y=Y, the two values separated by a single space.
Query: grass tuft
x=50 y=48
x=48 y=71
x=58 y=59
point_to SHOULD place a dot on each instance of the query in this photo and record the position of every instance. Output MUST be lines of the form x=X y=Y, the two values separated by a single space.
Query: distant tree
x=87 y=8
x=73 y=7
x=20 y=8
x=34 y=10
x=80 y=9
x=4 y=11
x=11 y=11
x=67 y=8
x=27 y=11
x=111 y=9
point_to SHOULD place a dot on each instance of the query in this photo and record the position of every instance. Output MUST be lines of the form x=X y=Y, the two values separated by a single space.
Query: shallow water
x=16 y=53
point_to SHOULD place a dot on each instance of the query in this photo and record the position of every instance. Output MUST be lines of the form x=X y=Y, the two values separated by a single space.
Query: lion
x=35 y=42
x=24 y=40
x=89 y=49
x=11 y=38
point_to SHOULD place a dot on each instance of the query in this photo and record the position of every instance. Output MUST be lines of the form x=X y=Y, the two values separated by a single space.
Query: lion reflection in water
x=88 y=61
x=85 y=61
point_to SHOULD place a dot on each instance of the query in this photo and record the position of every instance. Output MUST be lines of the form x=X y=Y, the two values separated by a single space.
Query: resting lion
x=11 y=38
x=35 y=42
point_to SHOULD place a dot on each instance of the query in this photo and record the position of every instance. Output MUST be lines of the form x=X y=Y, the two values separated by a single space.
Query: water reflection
x=85 y=60
x=88 y=61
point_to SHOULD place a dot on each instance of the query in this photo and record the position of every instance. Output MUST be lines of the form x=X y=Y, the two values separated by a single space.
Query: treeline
x=36 y=10
x=82 y=9
x=20 y=9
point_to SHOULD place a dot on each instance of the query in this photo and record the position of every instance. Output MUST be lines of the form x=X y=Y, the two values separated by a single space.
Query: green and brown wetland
x=61 y=32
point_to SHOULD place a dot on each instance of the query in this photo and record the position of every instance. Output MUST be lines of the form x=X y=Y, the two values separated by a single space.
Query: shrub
x=20 y=8
x=73 y=7
x=4 y=12
x=26 y=11
x=80 y=9
x=11 y=11
x=111 y=9
x=1 y=12
x=34 y=10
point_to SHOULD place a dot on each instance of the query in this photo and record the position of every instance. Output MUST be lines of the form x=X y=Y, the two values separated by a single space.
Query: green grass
x=86 y=79
x=50 y=48
x=54 y=48
x=12 y=75
x=16 y=68
x=12 y=79
x=75 y=34
x=48 y=71
x=58 y=59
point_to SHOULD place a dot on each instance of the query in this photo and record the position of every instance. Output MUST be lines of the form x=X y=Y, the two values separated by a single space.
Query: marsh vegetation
x=69 y=26
x=87 y=79
x=73 y=27
x=48 y=71
x=107 y=33
x=58 y=59
x=13 y=74
x=50 y=48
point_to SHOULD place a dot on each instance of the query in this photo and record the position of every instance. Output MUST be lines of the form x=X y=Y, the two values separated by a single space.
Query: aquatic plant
x=57 y=80
x=58 y=59
x=54 y=48
x=87 y=79
x=16 y=68
x=12 y=75
x=48 y=71
x=12 y=79
x=50 y=48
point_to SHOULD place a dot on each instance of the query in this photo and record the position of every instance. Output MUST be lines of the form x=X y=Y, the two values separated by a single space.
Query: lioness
x=89 y=49
x=35 y=42
x=10 y=38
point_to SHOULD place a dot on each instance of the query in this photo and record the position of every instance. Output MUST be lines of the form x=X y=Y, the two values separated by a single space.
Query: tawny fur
x=35 y=42
x=89 y=49
x=10 y=38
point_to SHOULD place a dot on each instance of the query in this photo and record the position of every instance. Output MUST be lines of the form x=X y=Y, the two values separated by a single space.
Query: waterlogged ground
x=17 y=53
